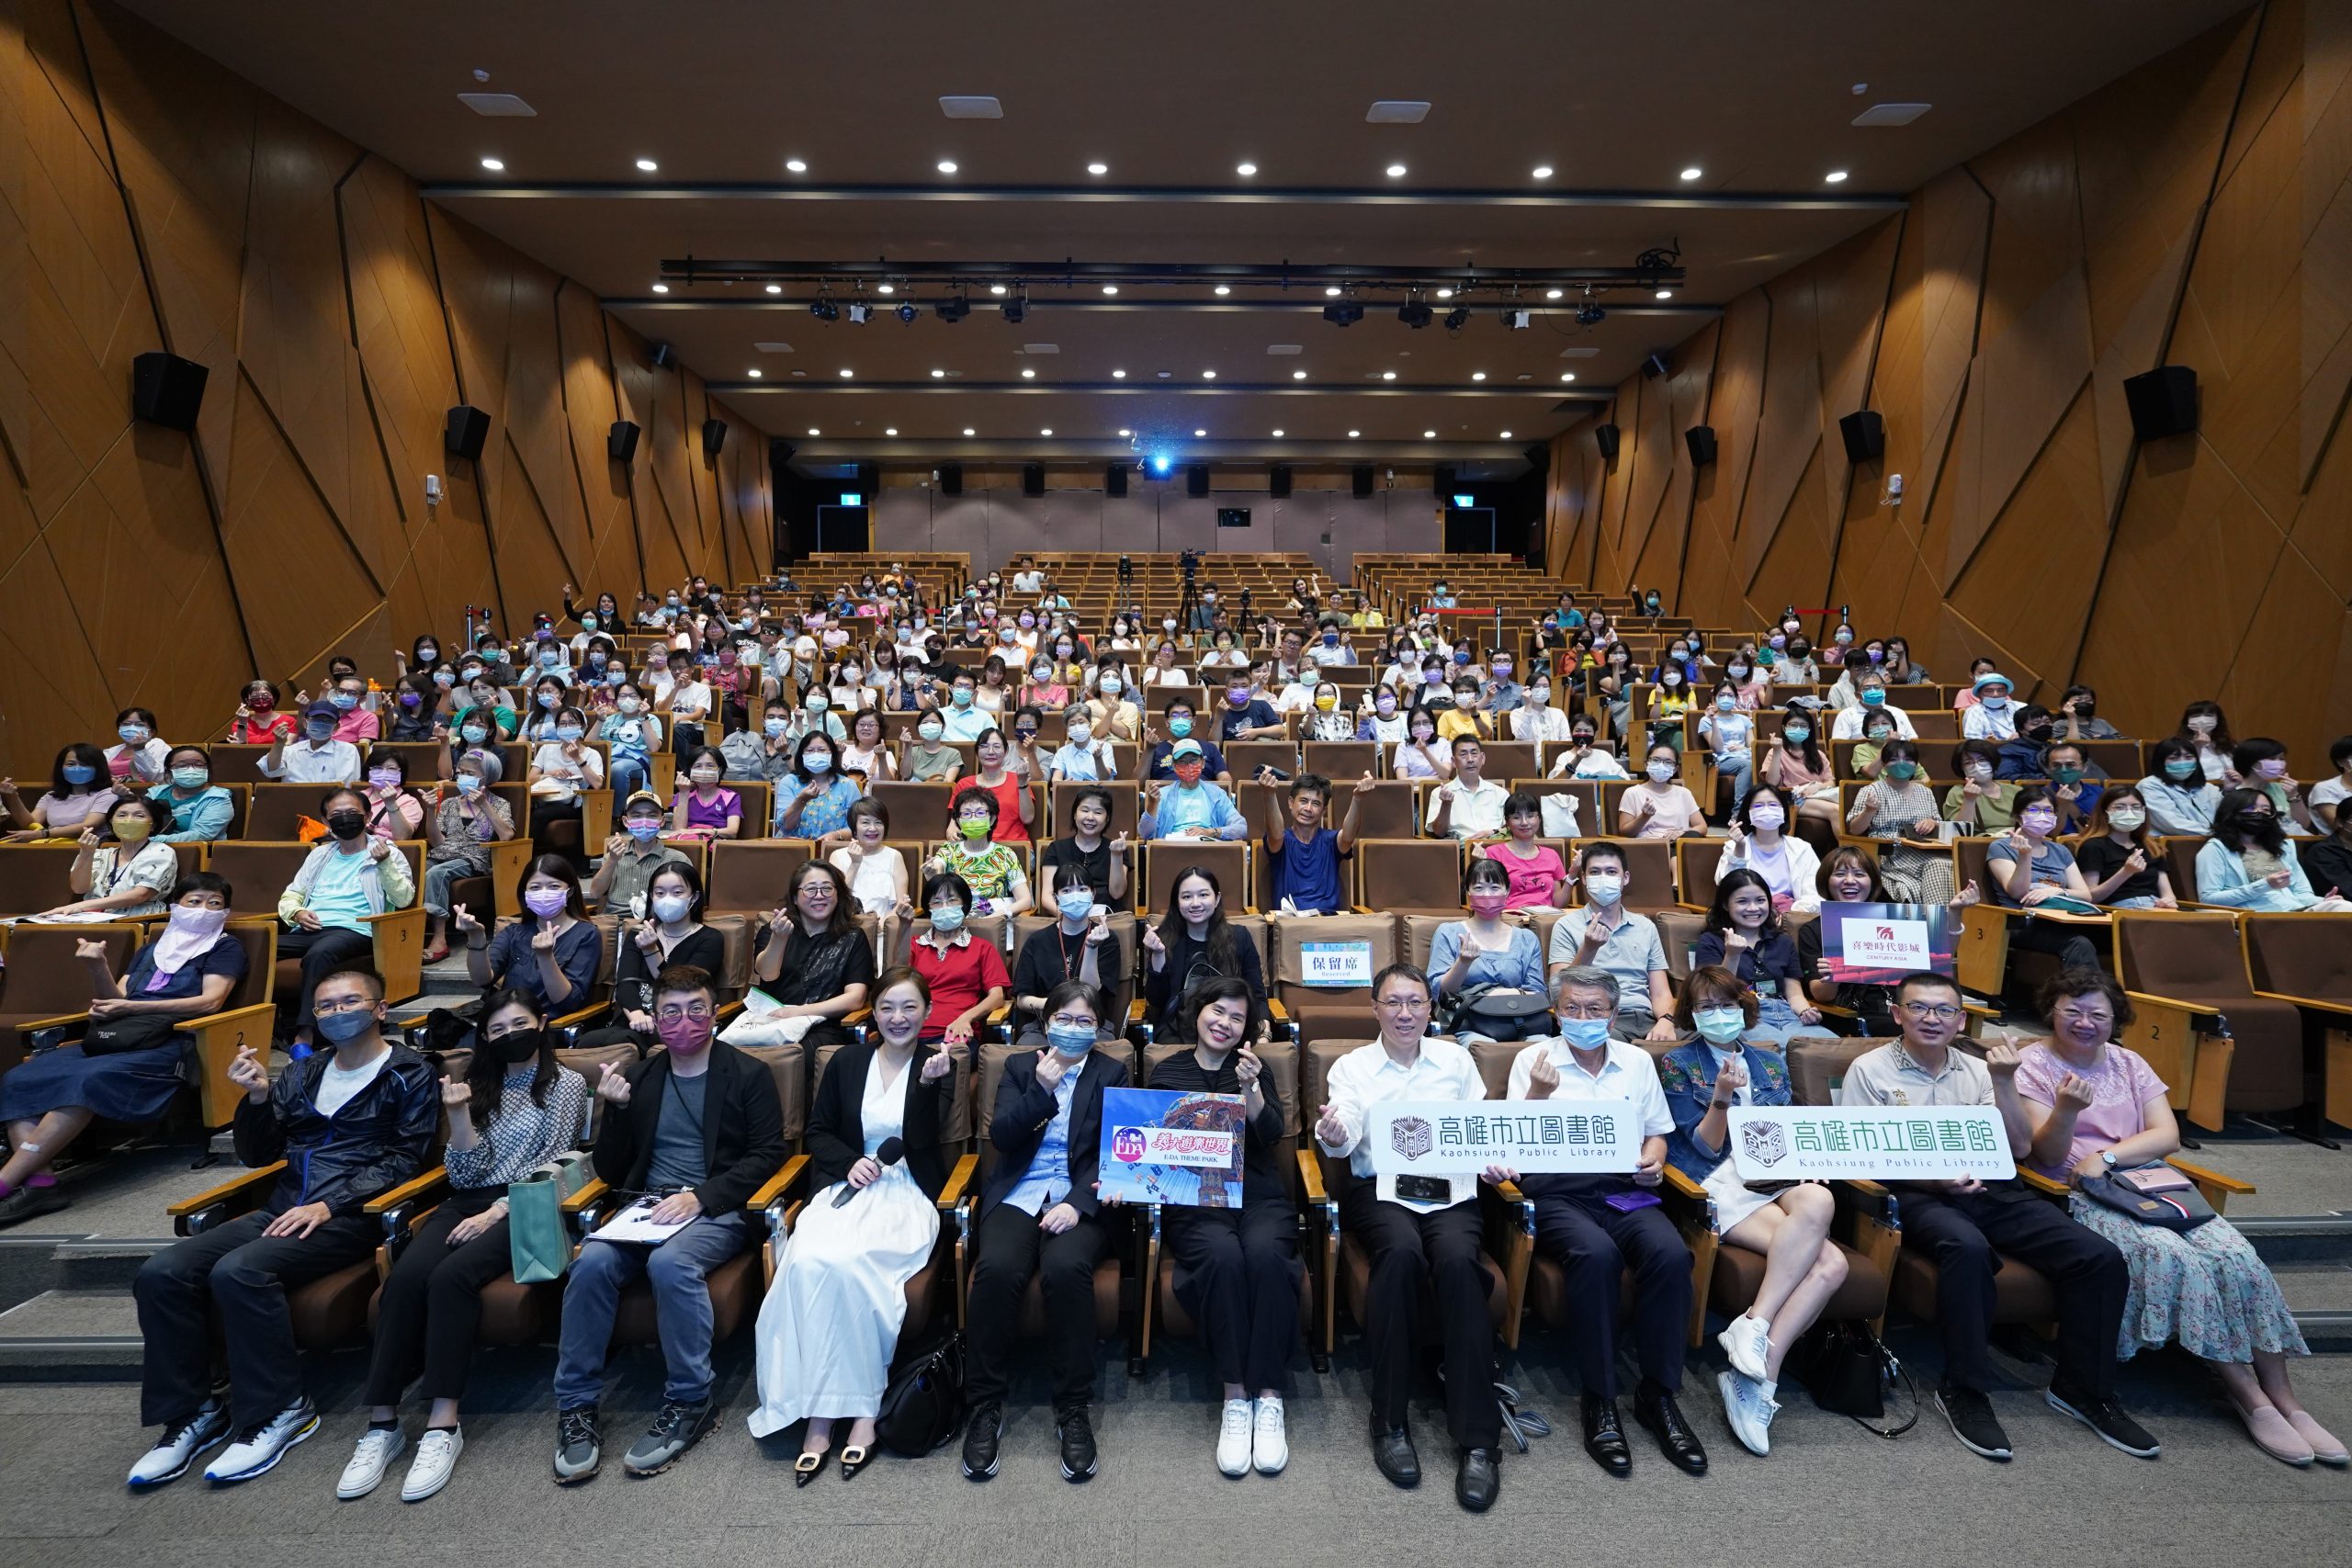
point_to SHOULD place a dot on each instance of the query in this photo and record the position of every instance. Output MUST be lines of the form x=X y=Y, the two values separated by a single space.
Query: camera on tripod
x=1188 y=563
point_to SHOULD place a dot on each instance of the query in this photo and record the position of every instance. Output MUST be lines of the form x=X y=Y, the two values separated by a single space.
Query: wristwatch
x=2108 y=1156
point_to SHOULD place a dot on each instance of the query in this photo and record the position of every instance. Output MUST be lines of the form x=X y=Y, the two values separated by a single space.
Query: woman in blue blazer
x=1789 y=1224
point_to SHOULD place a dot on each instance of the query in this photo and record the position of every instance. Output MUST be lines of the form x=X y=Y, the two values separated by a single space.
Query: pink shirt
x=2121 y=1085
x=1676 y=814
x=357 y=725
x=1532 y=880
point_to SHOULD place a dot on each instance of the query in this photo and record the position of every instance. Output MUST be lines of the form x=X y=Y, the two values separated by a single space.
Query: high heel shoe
x=807 y=1467
x=855 y=1459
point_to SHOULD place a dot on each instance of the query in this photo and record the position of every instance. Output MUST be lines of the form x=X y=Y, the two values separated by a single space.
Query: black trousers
x=1009 y=1248
x=2063 y=942
x=1436 y=1255
x=1237 y=1274
x=1962 y=1232
x=431 y=1305
x=238 y=1275
x=322 y=951
x=1595 y=1244
x=545 y=813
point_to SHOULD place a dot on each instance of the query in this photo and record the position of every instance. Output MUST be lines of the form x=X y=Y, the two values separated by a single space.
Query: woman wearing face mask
x=1729 y=734
x=1743 y=934
x=1585 y=757
x=1788 y=1224
x=701 y=808
x=2248 y=865
x=1658 y=806
x=466 y=819
x=2096 y=1110
x=1489 y=974
x=828 y=1327
x=2120 y=859
x=260 y=720
x=991 y=870
x=200 y=810
x=925 y=756
x=1192 y=942
x=392 y=811
x=632 y=735
x=1751 y=682
x=1324 y=720
x=349 y=876
x=1236 y=1265
x=1758 y=841
x=1162 y=669
x=2180 y=799
x=2030 y=870
x=1980 y=804
x=551 y=954
x=1083 y=755
x=129 y=1066
x=562 y=766
x=412 y=702
x=814 y=798
x=965 y=973
x=546 y=703
x=138 y=759
x=1115 y=715
x=1798 y=666
x=1795 y=764
x=1616 y=686
x=1078 y=946
x=669 y=932
x=1423 y=754
x=1381 y=721
x=1897 y=809
x=1044 y=688
x=121 y=871
x=1849 y=875
x=1535 y=718
x=516 y=1109
x=1016 y=803
x=2261 y=762
x=2204 y=726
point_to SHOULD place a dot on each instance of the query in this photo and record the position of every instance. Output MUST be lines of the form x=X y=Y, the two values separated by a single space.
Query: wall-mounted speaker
x=663 y=356
x=1442 y=481
x=1654 y=367
x=1196 y=480
x=780 y=450
x=166 y=390
x=1363 y=481
x=1539 y=457
x=1605 y=437
x=714 y=436
x=869 y=481
x=1701 y=439
x=1865 y=434
x=1114 y=479
x=1033 y=479
x=467 y=431
x=1278 y=481
x=620 y=444
x=2163 y=403
x=951 y=478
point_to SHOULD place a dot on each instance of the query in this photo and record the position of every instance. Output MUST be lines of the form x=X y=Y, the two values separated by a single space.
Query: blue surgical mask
x=345 y=701
x=1076 y=903
x=1070 y=1040
x=567 y=732
x=1585 y=1033
x=1180 y=728
x=947 y=918
x=474 y=734
x=1721 y=1026
x=79 y=772
x=469 y=784
x=818 y=761
x=349 y=1025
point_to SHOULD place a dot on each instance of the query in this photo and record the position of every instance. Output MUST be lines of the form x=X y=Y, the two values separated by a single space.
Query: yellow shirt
x=1362 y=618
x=1454 y=724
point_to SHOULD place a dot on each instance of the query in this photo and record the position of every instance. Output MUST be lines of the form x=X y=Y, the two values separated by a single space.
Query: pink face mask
x=1488 y=902
x=685 y=1035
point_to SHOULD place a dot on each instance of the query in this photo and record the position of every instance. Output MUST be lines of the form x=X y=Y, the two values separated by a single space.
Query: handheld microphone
x=892 y=1151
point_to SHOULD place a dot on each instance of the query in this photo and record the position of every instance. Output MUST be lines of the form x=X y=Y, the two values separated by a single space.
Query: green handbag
x=536 y=1237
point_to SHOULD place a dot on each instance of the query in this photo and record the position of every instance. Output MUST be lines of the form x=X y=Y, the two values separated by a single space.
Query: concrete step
x=82 y=1333
x=2284 y=1239
x=2320 y=1296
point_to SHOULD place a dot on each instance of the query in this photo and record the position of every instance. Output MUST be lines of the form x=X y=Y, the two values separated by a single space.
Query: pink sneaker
x=2273 y=1435
x=2326 y=1446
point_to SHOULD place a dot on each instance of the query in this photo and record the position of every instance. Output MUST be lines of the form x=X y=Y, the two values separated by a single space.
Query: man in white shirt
x=1416 y=1246
x=1298 y=696
x=1871 y=688
x=317 y=756
x=1467 y=806
x=1992 y=716
x=1331 y=647
x=1583 y=1224
x=1028 y=581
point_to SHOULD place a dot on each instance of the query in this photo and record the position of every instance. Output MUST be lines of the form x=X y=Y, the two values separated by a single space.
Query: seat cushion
x=2020 y=1293
x=1739 y=1274
x=331 y=1312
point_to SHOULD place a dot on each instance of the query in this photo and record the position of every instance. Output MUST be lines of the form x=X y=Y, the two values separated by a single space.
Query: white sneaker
x=169 y=1460
x=376 y=1450
x=1269 y=1445
x=436 y=1456
x=258 y=1452
x=1748 y=1411
x=1746 y=1339
x=1233 y=1439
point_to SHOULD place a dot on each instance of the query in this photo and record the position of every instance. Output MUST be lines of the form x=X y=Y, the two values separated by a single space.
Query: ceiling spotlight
x=1346 y=315
x=1048 y=431
x=1333 y=292
x=1835 y=176
x=968 y=429
x=775 y=287
x=909 y=311
x=1429 y=435
x=1016 y=309
x=660 y=288
x=1223 y=289
x=1388 y=375
x=1457 y=317
x=754 y=372
x=647 y=166
x=1445 y=293
x=1692 y=173
x=1505 y=436
x=1118 y=375
x=813 y=431
x=1551 y=294
x=857 y=314
x=1200 y=434
x=796 y=166
x=1098 y=168
x=1278 y=436
x=1028 y=375
x=1414 y=314
x=1356 y=434
x=893 y=431
x=997 y=289
x=846 y=372
x=1208 y=375
x=953 y=310
x=1568 y=375
x=493 y=166
x=939 y=374
x=1245 y=169
x=1298 y=375
x=1110 y=289
x=1477 y=375
x=1665 y=293
x=885 y=288
x=824 y=310
x=1396 y=171
x=1126 y=432
x=1542 y=171
x=947 y=166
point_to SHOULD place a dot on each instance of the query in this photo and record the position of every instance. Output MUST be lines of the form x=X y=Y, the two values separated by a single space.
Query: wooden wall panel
x=150 y=200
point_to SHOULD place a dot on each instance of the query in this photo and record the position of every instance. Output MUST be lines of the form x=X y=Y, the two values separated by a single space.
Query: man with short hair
x=700 y=1123
x=1966 y=1225
x=1467 y=806
x=349 y=1124
x=1306 y=854
x=1179 y=723
x=1418 y=1248
x=1331 y=647
x=1191 y=807
x=1605 y=934
x=1247 y=716
x=965 y=719
x=2072 y=793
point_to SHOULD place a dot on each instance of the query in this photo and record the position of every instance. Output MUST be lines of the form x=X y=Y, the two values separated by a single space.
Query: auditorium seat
x=1320 y=1013
x=46 y=986
x=2218 y=1045
x=2303 y=959
x=259 y=872
x=1161 y=861
x=1409 y=876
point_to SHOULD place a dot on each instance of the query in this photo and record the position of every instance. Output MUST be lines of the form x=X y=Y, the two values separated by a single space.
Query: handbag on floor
x=922 y=1405
x=1848 y=1370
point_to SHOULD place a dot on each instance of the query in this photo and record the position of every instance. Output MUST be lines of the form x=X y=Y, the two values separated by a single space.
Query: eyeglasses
x=1073 y=1021
x=354 y=1005
x=1932 y=1012
x=699 y=1011
x=1587 y=1010
x=1402 y=1004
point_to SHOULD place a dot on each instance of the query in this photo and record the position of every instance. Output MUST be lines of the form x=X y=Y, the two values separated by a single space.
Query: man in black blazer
x=1039 y=1215
x=700 y=1123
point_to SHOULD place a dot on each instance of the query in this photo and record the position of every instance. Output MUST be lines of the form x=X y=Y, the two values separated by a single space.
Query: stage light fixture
x=1590 y=314
x=1414 y=314
x=859 y=314
x=1515 y=319
x=824 y=310
x=1457 y=317
x=1346 y=313
x=953 y=310
x=1016 y=309
x=909 y=311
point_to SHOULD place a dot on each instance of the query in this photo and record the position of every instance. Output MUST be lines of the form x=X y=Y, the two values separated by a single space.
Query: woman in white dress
x=831 y=1321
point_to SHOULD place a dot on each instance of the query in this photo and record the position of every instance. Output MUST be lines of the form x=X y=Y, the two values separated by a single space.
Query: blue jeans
x=2144 y=901
x=628 y=776
x=1777 y=1022
x=676 y=1270
x=1734 y=765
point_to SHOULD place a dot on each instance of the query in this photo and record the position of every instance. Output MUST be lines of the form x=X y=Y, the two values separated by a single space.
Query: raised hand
x=1151 y=942
x=460 y=917
x=2073 y=1093
x=456 y=1092
x=1328 y=1129
x=2002 y=1061
x=90 y=949
x=247 y=1073
x=543 y=941
x=1730 y=1081
x=937 y=1065
x=612 y=1084
x=1367 y=783
x=1542 y=1078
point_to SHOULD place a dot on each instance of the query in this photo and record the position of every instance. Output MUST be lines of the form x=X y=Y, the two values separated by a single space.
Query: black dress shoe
x=1654 y=1409
x=1479 y=1478
x=1392 y=1450
x=1604 y=1436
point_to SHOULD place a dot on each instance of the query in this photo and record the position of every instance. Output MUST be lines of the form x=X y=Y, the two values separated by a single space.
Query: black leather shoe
x=1654 y=1409
x=1479 y=1480
x=980 y=1439
x=1604 y=1436
x=1392 y=1450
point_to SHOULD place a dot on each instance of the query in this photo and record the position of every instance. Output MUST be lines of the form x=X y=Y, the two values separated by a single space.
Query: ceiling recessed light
x=647 y=166
x=812 y=430
x=1110 y=289
x=996 y=288
x=1245 y=169
x=1388 y=375
x=1333 y=292
x=494 y=165
x=1551 y=294
x=1278 y=436
x=1542 y=171
x=1445 y=293
x=1048 y=431
x=1568 y=375
x=797 y=167
x=660 y=288
x=1477 y=375
x=1396 y=171
x=1223 y=288
x=1665 y=293
x=1098 y=168
x=1505 y=436
x=939 y=374
x=1028 y=375
x=1200 y=432
x=968 y=429
x=1836 y=176
x=1208 y=375
x=885 y=288
x=846 y=372
x=1429 y=435
x=1118 y=375
x=893 y=431
x=775 y=287
x=1356 y=434
x=947 y=166
x=1298 y=375
x=754 y=372
x=1692 y=172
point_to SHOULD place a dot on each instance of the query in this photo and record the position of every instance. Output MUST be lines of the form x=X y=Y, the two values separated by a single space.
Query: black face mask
x=517 y=1046
x=2252 y=824
x=347 y=824
x=2037 y=732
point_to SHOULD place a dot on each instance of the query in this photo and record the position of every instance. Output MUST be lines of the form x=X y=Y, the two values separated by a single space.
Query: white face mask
x=1660 y=773
x=1604 y=889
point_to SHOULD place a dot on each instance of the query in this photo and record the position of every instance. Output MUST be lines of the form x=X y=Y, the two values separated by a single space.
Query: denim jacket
x=1687 y=1073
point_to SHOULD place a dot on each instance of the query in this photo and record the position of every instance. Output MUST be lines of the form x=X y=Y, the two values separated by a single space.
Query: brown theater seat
x=2200 y=1019
x=1318 y=1012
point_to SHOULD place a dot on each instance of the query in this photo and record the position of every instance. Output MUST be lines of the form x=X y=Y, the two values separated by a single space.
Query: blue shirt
x=1308 y=873
x=578 y=952
x=1521 y=968
x=201 y=821
x=337 y=897
x=1206 y=805
x=1256 y=714
x=1047 y=1181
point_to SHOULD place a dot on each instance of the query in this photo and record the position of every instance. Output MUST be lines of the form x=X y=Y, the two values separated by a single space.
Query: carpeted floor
x=1829 y=1495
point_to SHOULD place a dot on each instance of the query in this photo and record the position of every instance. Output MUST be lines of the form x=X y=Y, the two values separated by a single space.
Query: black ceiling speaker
x=1362 y=479
x=467 y=429
x=869 y=481
x=1278 y=481
x=951 y=478
x=2163 y=403
x=714 y=436
x=664 y=356
x=1701 y=439
x=1033 y=479
x=1114 y=479
x=780 y=450
x=166 y=390
x=1197 y=479
x=1605 y=437
x=1539 y=457
x=1441 y=480
x=620 y=444
x=1654 y=367
x=1865 y=433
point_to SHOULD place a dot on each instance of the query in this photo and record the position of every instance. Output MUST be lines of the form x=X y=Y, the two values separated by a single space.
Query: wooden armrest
x=1310 y=1176
x=776 y=1186
x=430 y=1183
x=1000 y=1016
x=2315 y=1003
x=1866 y=1187
x=1509 y=1192
x=594 y=1189
x=1682 y=1185
x=2204 y=1176
x=863 y=1015
x=57 y=1022
x=231 y=1188
x=573 y=1019
x=217 y=1037
x=1276 y=1011
x=2150 y=999
x=960 y=1181
x=2043 y=1184
x=1135 y=1010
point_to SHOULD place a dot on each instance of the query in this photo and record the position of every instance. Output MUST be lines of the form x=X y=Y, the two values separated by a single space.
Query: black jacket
x=1164 y=988
x=742 y=1129
x=380 y=1138
x=1024 y=1108
x=837 y=1120
x=1266 y=1148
